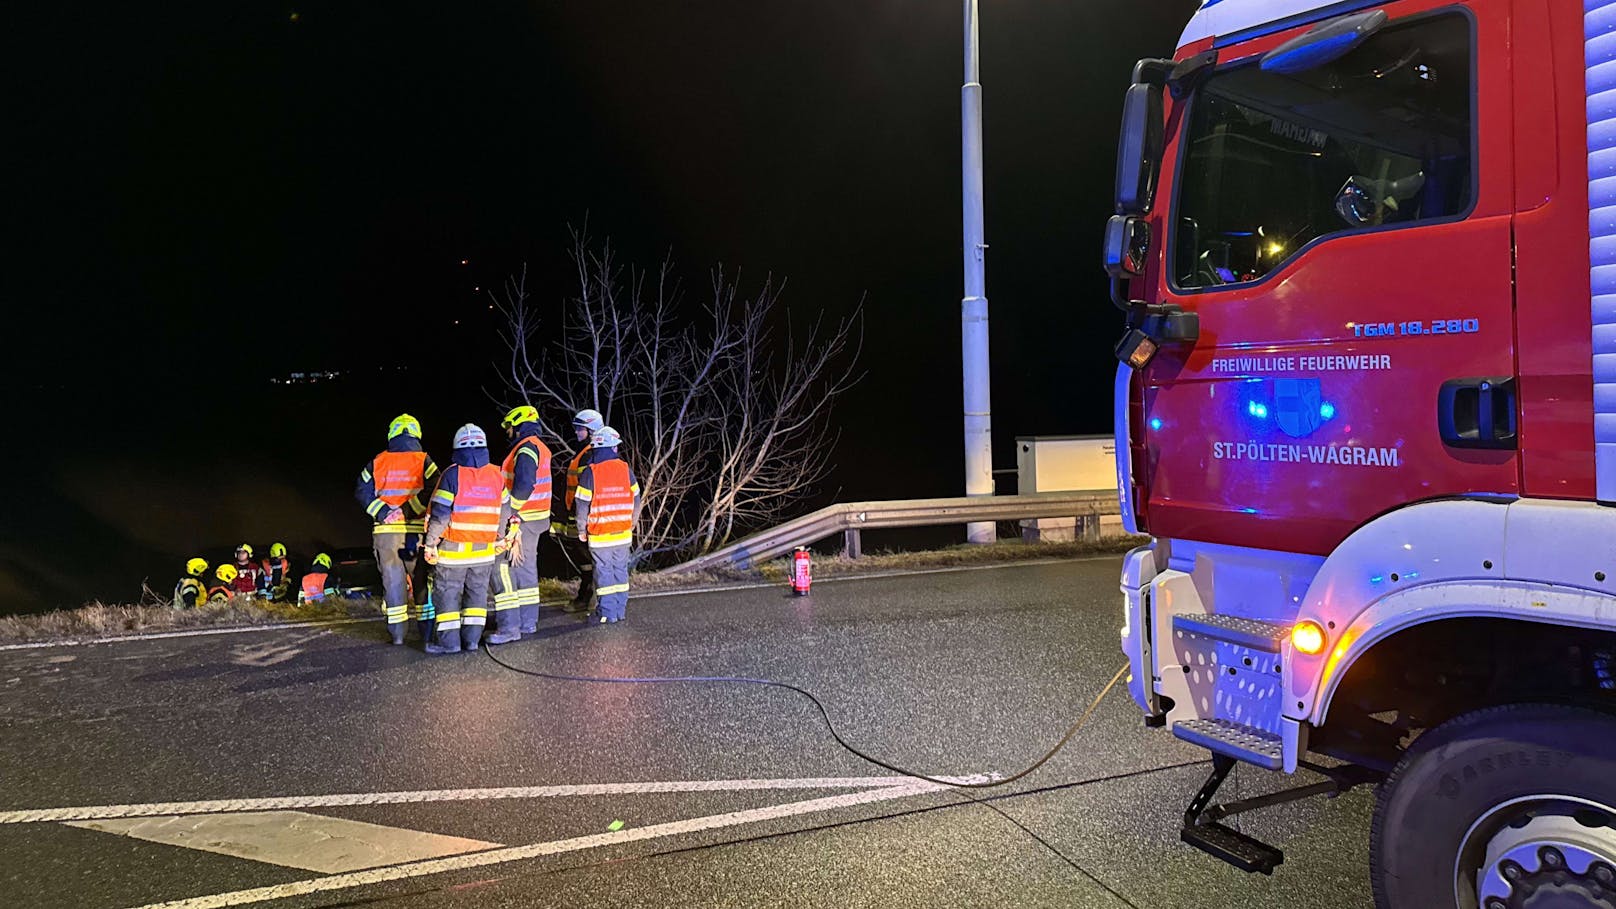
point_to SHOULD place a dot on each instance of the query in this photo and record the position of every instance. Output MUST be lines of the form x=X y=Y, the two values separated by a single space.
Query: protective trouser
x=395 y=558
x=611 y=579
x=461 y=595
x=578 y=554
x=424 y=612
x=516 y=586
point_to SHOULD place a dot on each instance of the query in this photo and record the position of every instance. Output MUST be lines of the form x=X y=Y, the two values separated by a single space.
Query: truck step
x=1245 y=743
x=1232 y=846
x=1265 y=636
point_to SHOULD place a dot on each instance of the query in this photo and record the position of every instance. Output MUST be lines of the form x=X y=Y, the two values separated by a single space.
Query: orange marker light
x=1308 y=638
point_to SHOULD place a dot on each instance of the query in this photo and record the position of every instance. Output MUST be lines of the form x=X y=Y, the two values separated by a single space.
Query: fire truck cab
x=1366 y=409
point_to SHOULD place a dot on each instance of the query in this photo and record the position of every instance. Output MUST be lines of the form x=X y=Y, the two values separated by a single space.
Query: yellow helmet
x=277 y=550
x=323 y=560
x=404 y=424
x=226 y=574
x=520 y=415
x=196 y=567
x=245 y=547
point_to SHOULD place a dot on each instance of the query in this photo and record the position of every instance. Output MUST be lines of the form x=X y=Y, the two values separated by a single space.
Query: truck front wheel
x=1504 y=808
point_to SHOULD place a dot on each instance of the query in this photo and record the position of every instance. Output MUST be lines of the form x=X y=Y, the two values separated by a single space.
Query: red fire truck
x=1366 y=408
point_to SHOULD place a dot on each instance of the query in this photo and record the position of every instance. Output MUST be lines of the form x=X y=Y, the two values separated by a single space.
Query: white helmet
x=470 y=436
x=605 y=437
x=588 y=419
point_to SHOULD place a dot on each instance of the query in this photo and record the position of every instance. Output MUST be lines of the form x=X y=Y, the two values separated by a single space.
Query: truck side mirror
x=1127 y=245
x=1139 y=148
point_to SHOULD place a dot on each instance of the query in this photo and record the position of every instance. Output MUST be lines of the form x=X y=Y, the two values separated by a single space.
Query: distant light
x=462 y=261
x=1155 y=422
x=1326 y=411
x=1275 y=249
x=296 y=16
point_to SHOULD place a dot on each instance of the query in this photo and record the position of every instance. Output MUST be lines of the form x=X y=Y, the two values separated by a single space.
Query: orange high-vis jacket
x=476 y=510
x=314 y=585
x=399 y=476
x=536 y=507
x=611 y=502
x=574 y=470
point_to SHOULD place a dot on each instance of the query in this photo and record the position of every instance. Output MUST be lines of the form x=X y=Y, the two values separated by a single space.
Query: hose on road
x=823 y=714
x=836 y=734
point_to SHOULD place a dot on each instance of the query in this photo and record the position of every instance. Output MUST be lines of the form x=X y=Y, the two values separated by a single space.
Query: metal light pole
x=974 y=307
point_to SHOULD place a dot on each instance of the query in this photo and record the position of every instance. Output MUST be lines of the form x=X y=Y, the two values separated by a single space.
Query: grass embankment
x=100 y=620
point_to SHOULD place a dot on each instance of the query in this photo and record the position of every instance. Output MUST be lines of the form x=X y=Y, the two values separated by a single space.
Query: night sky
x=204 y=196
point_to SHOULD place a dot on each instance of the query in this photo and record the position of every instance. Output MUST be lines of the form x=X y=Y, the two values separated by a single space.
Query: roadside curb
x=650 y=594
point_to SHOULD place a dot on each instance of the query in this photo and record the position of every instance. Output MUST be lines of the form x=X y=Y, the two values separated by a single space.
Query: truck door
x=1343 y=233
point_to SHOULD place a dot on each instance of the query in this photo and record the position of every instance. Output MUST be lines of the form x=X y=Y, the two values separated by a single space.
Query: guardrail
x=851 y=517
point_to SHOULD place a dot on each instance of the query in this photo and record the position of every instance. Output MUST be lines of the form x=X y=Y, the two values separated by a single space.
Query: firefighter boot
x=530 y=615
x=586 y=586
x=396 y=629
x=450 y=643
x=504 y=628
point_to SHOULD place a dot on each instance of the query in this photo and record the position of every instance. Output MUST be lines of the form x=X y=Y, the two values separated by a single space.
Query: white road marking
x=311 y=842
x=537 y=850
x=267 y=653
x=151 y=809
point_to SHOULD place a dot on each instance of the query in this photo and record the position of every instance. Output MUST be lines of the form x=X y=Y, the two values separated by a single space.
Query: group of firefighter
x=269 y=579
x=451 y=543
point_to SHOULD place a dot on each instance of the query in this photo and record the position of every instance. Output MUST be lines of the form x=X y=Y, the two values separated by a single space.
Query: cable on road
x=836 y=734
x=823 y=714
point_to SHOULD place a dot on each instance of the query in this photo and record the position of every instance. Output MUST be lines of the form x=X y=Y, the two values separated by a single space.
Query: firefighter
x=224 y=584
x=275 y=579
x=317 y=581
x=392 y=487
x=464 y=536
x=583 y=425
x=247 y=571
x=516 y=575
x=608 y=503
x=191 y=591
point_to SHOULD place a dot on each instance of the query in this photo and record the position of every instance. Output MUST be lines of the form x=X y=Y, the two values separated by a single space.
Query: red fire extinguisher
x=802 y=572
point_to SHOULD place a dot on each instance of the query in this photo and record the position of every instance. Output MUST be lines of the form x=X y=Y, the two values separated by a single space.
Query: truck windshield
x=1378 y=138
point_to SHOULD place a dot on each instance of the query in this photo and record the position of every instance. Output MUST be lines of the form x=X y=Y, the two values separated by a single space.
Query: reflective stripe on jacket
x=529 y=454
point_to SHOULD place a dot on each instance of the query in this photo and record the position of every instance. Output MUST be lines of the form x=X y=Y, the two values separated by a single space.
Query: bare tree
x=723 y=406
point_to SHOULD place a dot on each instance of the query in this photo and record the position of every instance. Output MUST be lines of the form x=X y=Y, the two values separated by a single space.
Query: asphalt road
x=452 y=764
